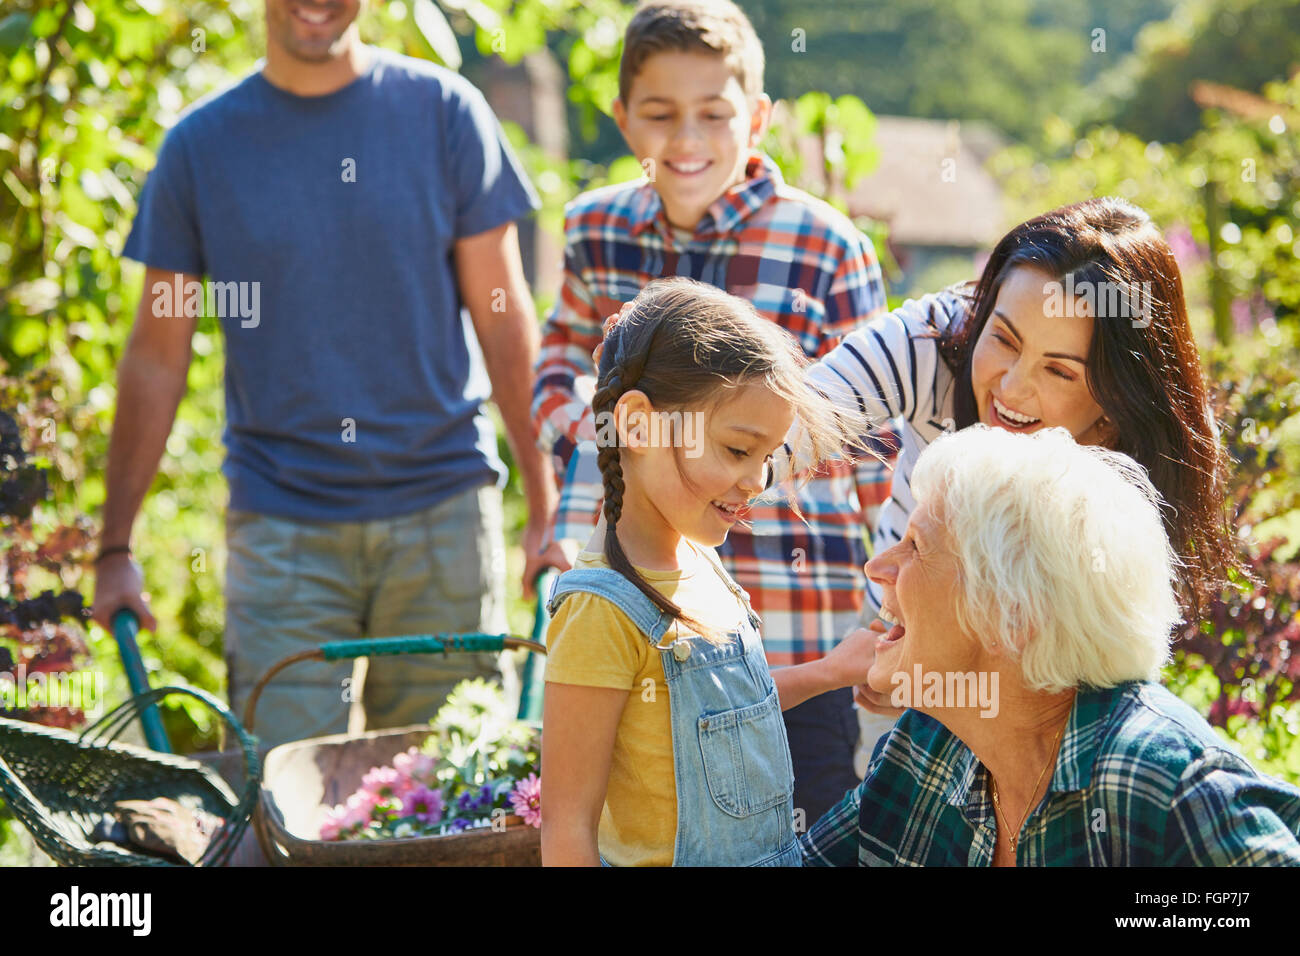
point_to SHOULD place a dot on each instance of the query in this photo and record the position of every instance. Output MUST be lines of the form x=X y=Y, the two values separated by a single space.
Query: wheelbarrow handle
x=422 y=644
x=371 y=646
x=126 y=628
x=533 y=684
x=530 y=703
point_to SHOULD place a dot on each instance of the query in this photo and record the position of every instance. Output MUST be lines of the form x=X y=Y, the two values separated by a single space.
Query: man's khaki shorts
x=292 y=585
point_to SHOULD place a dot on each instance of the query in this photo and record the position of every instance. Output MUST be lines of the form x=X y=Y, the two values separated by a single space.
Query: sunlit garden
x=1189 y=109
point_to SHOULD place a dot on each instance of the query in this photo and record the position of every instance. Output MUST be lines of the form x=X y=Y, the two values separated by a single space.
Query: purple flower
x=471 y=800
x=423 y=804
x=526 y=798
x=460 y=823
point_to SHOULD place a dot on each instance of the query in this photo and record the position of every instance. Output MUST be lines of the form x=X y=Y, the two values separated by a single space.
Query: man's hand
x=872 y=701
x=540 y=552
x=119 y=584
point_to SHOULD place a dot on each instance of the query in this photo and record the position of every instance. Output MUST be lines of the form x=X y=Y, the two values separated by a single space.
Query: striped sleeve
x=874 y=473
x=888 y=367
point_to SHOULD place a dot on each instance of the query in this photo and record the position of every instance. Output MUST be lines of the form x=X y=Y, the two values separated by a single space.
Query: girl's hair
x=1143 y=368
x=685 y=345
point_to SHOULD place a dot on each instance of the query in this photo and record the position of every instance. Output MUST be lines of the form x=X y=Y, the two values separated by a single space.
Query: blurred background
x=936 y=125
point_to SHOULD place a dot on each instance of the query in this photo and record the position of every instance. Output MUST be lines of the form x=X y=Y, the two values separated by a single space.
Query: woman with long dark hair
x=1078 y=321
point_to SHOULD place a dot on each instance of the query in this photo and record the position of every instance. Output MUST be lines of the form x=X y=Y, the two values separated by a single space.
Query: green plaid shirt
x=1141 y=780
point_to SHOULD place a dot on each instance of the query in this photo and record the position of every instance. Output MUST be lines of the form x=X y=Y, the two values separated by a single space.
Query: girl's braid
x=625 y=371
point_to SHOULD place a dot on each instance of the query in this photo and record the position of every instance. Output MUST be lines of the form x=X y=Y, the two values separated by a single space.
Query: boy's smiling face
x=687 y=113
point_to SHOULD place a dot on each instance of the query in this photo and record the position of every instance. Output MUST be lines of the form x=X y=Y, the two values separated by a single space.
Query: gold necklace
x=1015 y=834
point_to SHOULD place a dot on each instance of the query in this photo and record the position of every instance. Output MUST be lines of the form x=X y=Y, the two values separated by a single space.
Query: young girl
x=663 y=739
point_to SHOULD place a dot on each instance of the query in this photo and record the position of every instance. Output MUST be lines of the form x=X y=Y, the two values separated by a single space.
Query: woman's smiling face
x=1028 y=368
x=919 y=579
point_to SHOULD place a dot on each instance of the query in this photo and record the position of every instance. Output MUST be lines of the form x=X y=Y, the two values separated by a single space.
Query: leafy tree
x=91 y=87
x=1008 y=62
x=1237 y=43
x=1231 y=189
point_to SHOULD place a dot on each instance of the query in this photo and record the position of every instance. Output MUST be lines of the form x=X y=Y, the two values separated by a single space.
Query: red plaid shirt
x=804 y=266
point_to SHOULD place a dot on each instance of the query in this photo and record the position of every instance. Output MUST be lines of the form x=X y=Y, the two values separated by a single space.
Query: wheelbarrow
x=63 y=786
x=305 y=778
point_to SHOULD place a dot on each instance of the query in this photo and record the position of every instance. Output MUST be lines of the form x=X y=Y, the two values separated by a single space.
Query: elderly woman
x=1032 y=599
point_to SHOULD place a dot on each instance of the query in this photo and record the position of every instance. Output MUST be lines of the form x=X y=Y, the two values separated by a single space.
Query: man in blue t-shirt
x=348 y=207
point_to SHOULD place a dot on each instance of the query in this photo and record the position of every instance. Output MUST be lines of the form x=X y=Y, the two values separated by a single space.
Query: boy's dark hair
x=692 y=26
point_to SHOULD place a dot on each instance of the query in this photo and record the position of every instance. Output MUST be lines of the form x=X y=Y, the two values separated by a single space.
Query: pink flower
x=387 y=783
x=423 y=804
x=526 y=798
x=419 y=767
x=1185 y=249
x=346 y=817
x=358 y=809
x=333 y=823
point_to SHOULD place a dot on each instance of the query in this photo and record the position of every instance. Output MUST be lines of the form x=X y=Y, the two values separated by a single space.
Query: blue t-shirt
x=354 y=383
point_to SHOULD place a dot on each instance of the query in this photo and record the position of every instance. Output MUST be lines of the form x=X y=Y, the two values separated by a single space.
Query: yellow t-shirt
x=592 y=643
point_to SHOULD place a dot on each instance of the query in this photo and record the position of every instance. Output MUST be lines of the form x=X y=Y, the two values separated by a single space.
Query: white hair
x=1062 y=552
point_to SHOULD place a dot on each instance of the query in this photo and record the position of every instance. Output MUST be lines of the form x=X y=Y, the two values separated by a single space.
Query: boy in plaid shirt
x=713 y=208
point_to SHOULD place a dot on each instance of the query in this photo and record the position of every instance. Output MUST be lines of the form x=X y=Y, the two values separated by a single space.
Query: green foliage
x=1009 y=62
x=91 y=87
x=1238 y=43
x=1240 y=664
x=1231 y=190
x=824 y=145
x=40 y=564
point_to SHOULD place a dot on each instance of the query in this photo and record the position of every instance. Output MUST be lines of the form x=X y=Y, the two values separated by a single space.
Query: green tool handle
x=126 y=626
x=420 y=644
x=533 y=684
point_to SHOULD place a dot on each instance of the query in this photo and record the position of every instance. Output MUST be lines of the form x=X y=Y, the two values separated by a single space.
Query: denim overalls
x=735 y=782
